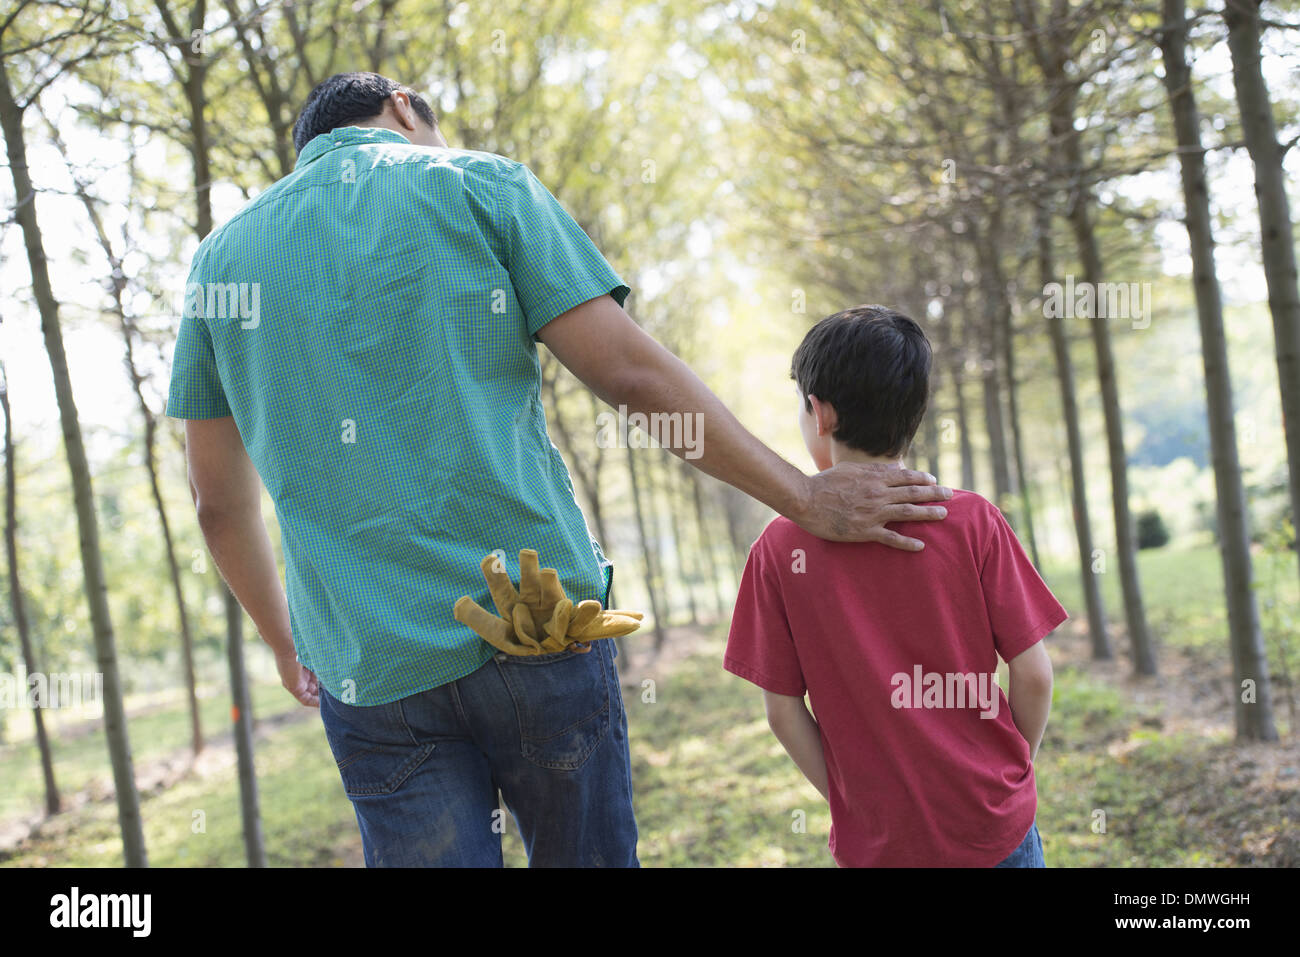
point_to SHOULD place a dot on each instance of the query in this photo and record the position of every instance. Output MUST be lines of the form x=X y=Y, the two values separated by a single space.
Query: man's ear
x=402 y=109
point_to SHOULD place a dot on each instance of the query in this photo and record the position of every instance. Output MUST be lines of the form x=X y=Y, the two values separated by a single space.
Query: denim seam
x=401 y=718
x=398 y=777
x=454 y=688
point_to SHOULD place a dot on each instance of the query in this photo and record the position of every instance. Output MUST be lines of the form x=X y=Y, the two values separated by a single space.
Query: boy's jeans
x=1029 y=853
x=549 y=731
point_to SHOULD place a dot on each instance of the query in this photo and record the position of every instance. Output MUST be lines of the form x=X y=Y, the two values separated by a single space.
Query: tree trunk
x=1013 y=415
x=1278 y=247
x=53 y=803
x=688 y=554
x=1007 y=92
x=932 y=426
x=241 y=713
x=117 y=289
x=92 y=565
x=706 y=542
x=990 y=351
x=1097 y=629
x=963 y=428
x=1144 y=660
x=654 y=517
x=593 y=490
x=192 y=82
x=174 y=570
x=683 y=553
x=651 y=578
x=1049 y=49
x=1017 y=450
x=732 y=505
x=587 y=478
x=1254 y=713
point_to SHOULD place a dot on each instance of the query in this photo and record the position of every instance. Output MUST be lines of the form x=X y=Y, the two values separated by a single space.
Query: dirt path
x=1193 y=696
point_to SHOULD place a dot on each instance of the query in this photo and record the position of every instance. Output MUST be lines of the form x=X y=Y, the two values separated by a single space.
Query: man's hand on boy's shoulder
x=852 y=502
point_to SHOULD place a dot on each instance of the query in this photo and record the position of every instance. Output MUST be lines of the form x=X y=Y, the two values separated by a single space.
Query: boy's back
x=926 y=768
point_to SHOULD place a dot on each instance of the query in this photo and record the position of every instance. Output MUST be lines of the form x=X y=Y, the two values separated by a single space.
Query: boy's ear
x=825 y=415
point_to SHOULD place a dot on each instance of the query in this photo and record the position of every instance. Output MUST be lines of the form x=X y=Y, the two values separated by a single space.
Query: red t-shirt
x=895 y=650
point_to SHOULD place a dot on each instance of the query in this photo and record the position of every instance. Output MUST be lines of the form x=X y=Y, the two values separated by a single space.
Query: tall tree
x=993 y=330
x=53 y=802
x=1093 y=601
x=706 y=539
x=1278 y=242
x=117 y=288
x=649 y=550
x=1252 y=697
x=1051 y=46
x=241 y=713
x=92 y=563
x=685 y=555
x=187 y=56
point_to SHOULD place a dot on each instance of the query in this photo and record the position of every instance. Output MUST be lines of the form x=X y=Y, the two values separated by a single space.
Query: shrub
x=1151 y=530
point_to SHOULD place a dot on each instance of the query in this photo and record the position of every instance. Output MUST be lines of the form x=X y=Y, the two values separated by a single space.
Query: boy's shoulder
x=969 y=515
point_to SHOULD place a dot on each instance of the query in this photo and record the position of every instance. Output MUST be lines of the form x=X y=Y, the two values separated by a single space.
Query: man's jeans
x=549 y=731
x=1029 y=853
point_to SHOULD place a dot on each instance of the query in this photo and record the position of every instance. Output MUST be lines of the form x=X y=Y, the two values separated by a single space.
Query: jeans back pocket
x=562 y=703
x=373 y=748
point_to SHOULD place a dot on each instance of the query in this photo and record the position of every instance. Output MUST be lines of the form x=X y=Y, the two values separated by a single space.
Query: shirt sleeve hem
x=767 y=683
x=191 y=410
x=1031 y=636
x=181 y=411
x=562 y=302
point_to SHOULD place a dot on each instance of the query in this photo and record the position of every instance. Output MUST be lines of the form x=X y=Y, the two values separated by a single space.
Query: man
x=361 y=338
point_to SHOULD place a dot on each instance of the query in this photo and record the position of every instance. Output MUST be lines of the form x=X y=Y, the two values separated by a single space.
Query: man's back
x=896 y=652
x=384 y=379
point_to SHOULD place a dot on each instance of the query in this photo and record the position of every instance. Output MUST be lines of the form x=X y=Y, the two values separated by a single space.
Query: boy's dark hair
x=347 y=97
x=872 y=365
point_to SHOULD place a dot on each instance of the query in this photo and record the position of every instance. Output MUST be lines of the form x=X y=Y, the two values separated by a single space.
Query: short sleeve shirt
x=896 y=651
x=369 y=321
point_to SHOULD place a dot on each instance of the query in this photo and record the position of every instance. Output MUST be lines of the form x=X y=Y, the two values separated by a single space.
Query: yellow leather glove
x=538 y=619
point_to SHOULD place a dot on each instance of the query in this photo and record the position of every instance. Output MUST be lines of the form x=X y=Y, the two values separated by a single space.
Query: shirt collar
x=346 y=136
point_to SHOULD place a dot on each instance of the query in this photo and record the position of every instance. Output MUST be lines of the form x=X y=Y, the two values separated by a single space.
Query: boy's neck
x=842 y=453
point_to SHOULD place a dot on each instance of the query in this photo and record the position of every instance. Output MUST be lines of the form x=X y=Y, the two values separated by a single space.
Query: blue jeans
x=548 y=732
x=1029 y=853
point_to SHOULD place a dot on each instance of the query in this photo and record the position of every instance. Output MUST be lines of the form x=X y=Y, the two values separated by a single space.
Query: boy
x=913 y=745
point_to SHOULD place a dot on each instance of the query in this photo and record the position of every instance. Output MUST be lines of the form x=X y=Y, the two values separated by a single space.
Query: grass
x=1182 y=590
x=712 y=784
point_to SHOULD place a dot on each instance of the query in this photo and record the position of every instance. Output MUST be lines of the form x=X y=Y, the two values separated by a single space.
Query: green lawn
x=1182 y=589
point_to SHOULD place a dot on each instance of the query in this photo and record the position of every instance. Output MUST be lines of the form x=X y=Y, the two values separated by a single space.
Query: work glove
x=538 y=619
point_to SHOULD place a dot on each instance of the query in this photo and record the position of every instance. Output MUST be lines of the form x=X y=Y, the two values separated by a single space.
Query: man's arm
x=600 y=344
x=227 y=493
x=797 y=730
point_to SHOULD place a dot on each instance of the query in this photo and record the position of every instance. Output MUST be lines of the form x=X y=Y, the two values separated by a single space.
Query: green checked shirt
x=369 y=322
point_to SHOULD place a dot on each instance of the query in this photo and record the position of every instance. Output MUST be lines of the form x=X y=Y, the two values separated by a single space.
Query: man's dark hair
x=872 y=365
x=344 y=99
